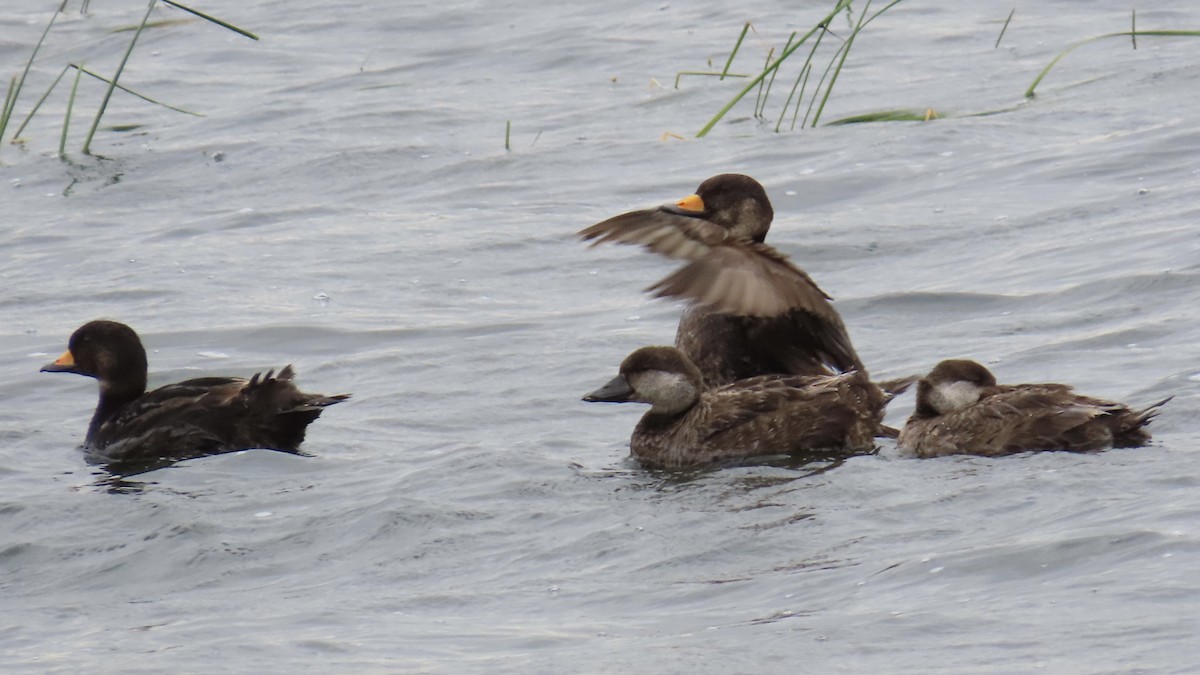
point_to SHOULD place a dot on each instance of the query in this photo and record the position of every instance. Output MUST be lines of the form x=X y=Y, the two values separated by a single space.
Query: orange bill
x=64 y=364
x=691 y=203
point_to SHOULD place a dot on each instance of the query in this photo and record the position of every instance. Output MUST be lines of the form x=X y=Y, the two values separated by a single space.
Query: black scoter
x=691 y=425
x=962 y=411
x=135 y=430
x=752 y=312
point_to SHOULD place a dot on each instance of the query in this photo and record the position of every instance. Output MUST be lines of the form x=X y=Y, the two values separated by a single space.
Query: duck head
x=736 y=202
x=660 y=376
x=108 y=351
x=952 y=385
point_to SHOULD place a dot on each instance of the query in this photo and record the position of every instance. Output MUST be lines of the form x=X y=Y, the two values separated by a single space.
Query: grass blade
x=900 y=115
x=706 y=74
x=40 y=101
x=127 y=90
x=845 y=53
x=1133 y=28
x=863 y=22
x=1004 y=28
x=728 y=62
x=87 y=144
x=762 y=110
x=213 y=19
x=760 y=101
x=841 y=5
x=805 y=71
x=736 y=47
x=29 y=64
x=820 y=83
x=62 y=141
x=1029 y=93
x=507 y=134
x=6 y=111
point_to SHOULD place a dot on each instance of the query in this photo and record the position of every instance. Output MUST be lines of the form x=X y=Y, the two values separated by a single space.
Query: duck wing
x=1020 y=418
x=211 y=415
x=788 y=317
x=746 y=278
x=732 y=275
x=787 y=413
x=662 y=230
x=166 y=425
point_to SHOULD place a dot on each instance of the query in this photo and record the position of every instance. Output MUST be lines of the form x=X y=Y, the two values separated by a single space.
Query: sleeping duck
x=139 y=430
x=752 y=312
x=691 y=425
x=962 y=411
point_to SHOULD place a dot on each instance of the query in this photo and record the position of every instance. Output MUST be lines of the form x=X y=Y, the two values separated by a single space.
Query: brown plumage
x=688 y=425
x=962 y=411
x=133 y=430
x=752 y=311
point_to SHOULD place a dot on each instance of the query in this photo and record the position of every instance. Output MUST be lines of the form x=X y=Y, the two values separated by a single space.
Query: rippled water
x=347 y=205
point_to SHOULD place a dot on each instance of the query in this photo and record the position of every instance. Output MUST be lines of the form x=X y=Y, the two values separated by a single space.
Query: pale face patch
x=950 y=396
x=667 y=392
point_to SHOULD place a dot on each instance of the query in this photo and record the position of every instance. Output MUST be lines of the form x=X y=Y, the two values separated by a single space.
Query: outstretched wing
x=745 y=278
x=670 y=234
x=741 y=278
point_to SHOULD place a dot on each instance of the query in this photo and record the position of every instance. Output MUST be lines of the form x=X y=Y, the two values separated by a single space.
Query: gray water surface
x=347 y=205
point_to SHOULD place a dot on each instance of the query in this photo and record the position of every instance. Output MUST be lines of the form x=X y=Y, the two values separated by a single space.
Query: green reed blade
x=213 y=19
x=771 y=82
x=6 y=111
x=841 y=5
x=805 y=71
x=705 y=74
x=900 y=115
x=812 y=101
x=760 y=101
x=863 y=22
x=1029 y=93
x=802 y=81
x=29 y=64
x=736 y=47
x=62 y=141
x=162 y=23
x=112 y=84
x=40 y=101
x=1004 y=28
x=728 y=62
x=127 y=90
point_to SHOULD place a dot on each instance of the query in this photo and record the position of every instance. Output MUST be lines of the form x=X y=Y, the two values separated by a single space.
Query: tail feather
x=1133 y=432
x=898 y=385
x=281 y=412
x=1143 y=416
x=318 y=401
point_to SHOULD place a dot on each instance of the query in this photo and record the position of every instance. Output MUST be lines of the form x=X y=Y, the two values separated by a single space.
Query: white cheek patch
x=953 y=396
x=668 y=392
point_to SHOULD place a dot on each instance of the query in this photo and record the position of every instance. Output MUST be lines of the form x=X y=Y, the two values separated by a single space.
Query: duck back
x=1011 y=419
x=727 y=348
x=765 y=415
x=207 y=416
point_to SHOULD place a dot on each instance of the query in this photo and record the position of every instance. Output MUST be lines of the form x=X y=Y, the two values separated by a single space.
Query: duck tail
x=284 y=412
x=899 y=385
x=888 y=390
x=886 y=431
x=1133 y=432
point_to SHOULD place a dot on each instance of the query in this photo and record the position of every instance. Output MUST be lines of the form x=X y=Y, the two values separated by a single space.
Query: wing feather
x=666 y=233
